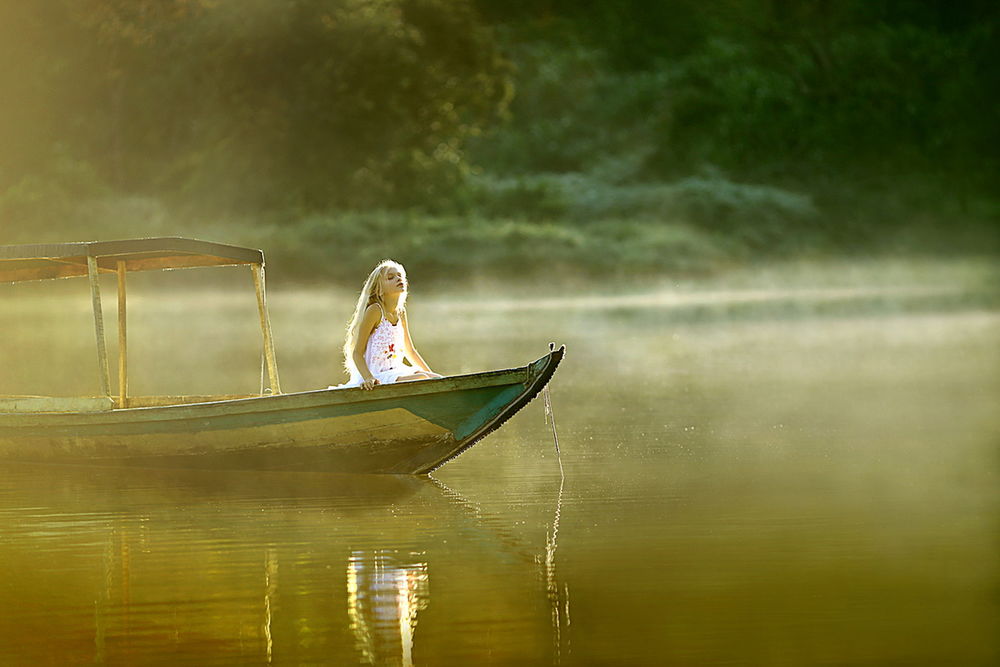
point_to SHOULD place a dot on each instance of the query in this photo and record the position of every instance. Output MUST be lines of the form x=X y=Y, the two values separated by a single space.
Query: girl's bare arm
x=368 y=322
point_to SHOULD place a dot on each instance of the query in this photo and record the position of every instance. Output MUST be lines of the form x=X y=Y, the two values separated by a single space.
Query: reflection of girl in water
x=383 y=598
x=378 y=336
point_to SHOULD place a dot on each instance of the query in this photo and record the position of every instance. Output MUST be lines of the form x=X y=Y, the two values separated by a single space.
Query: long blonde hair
x=370 y=293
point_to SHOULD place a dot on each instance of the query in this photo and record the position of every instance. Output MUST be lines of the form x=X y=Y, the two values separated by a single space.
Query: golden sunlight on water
x=791 y=467
x=383 y=598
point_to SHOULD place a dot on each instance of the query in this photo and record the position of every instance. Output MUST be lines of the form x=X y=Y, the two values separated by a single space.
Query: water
x=797 y=467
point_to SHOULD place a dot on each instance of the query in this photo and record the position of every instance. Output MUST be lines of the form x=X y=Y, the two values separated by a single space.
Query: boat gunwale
x=527 y=381
x=279 y=402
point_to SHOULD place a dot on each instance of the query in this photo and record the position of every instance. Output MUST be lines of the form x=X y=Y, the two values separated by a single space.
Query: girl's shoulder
x=373 y=313
x=376 y=311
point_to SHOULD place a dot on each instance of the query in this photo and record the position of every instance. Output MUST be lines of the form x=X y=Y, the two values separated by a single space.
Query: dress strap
x=399 y=314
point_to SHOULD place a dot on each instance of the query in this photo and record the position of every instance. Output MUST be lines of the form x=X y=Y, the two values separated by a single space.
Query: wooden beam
x=79 y=263
x=265 y=327
x=177 y=262
x=158 y=401
x=38 y=270
x=102 y=350
x=36 y=404
x=122 y=340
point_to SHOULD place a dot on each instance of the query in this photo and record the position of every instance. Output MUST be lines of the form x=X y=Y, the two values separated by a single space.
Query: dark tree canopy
x=765 y=89
x=259 y=103
x=319 y=105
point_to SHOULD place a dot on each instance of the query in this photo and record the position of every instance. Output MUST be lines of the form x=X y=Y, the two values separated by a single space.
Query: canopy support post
x=102 y=350
x=122 y=340
x=265 y=327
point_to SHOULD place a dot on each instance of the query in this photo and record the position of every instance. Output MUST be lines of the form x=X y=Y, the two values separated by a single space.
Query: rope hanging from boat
x=550 y=419
x=551 y=542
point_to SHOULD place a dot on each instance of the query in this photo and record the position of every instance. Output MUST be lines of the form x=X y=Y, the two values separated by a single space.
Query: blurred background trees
x=747 y=125
x=249 y=103
x=764 y=89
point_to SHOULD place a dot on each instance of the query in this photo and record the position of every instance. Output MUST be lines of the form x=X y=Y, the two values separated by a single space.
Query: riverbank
x=663 y=231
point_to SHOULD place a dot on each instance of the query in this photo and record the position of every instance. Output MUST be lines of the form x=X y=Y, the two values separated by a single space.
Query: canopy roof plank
x=66 y=260
x=20 y=263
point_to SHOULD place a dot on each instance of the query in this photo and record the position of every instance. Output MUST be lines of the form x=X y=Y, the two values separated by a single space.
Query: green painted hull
x=406 y=428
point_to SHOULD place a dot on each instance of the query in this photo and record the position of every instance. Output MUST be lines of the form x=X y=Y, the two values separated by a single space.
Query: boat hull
x=407 y=428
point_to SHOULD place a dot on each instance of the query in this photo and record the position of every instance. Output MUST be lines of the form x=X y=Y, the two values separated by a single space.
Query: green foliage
x=574 y=113
x=874 y=98
x=439 y=248
x=784 y=93
x=763 y=218
x=250 y=104
x=50 y=194
x=610 y=136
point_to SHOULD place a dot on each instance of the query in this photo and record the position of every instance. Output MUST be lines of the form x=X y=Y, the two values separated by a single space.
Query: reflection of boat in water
x=298 y=568
x=556 y=591
x=410 y=428
x=101 y=488
x=385 y=590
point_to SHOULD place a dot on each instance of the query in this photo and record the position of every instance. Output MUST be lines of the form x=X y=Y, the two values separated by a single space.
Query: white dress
x=383 y=354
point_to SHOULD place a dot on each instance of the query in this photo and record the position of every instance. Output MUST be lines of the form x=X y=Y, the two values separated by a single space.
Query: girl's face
x=393 y=281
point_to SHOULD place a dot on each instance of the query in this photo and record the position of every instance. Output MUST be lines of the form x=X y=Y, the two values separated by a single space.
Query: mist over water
x=795 y=465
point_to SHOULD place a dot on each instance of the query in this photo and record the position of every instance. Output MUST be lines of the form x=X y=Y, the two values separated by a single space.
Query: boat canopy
x=64 y=260
x=91 y=258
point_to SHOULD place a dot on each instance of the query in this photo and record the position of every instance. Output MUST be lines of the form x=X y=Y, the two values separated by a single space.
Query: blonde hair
x=370 y=293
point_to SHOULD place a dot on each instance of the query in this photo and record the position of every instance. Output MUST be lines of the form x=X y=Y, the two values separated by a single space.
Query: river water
x=787 y=467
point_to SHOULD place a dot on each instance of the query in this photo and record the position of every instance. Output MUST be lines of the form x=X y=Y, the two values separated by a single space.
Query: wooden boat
x=407 y=428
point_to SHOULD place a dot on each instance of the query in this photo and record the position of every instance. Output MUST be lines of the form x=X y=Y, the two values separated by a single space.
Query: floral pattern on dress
x=384 y=350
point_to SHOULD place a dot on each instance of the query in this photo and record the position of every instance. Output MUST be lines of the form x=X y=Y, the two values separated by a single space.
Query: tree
x=255 y=103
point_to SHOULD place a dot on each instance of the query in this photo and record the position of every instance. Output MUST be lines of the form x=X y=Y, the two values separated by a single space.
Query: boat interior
x=14 y=403
x=19 y=263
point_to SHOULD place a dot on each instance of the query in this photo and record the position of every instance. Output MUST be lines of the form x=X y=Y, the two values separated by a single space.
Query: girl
x=378 y=337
